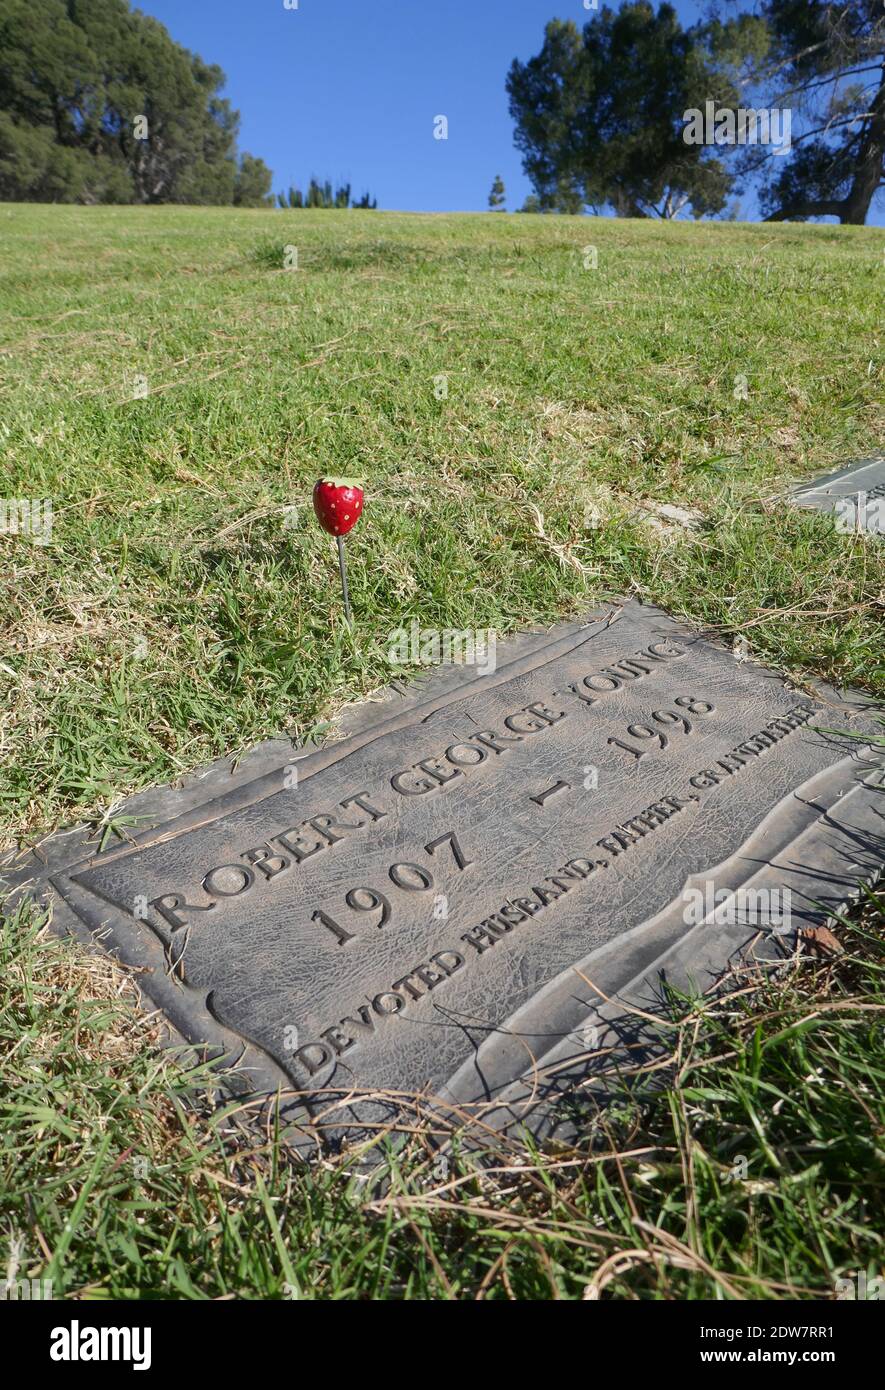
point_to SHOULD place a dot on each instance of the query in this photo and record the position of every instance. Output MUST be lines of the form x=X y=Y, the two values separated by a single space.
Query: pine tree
x=322 y=195
x=498 y=195
x=99 y=105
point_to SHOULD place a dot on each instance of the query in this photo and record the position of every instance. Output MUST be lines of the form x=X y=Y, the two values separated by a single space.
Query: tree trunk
x=868 y=170
x=852 y=210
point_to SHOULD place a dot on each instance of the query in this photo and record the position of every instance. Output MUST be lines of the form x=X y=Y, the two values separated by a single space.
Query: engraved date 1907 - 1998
x=410 y=878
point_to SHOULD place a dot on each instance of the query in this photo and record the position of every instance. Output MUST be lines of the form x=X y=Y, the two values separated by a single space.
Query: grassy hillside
x=519 y=405
x=183 y=609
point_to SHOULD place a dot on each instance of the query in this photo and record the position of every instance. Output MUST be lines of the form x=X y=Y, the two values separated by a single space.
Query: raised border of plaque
x=856 y=494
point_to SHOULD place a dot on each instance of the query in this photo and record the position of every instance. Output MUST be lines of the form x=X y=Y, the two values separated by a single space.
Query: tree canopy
x=826 y=59
x=99 y=105
x=323 y=195
x=599 y=114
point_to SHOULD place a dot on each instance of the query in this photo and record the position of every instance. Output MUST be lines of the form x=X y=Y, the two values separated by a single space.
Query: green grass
x=181 y=611
x=755 y=1172
x=186 y=606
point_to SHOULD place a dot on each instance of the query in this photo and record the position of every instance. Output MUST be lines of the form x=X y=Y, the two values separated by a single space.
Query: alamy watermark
x=742 y=126
x=769 y=909
x=863 y=512
x=77 y=1343
x=430 y=646
x=28 y=1290
x=858 y=1288
x=26 y=516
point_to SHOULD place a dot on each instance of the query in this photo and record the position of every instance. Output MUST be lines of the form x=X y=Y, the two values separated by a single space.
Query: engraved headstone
x=443 y=900
x=855 y=495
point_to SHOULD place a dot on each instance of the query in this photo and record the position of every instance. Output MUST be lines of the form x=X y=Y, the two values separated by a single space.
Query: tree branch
x=830 y=77
x=820 y=207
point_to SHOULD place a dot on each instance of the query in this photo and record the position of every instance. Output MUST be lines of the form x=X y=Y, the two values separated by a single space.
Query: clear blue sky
x=349 y=88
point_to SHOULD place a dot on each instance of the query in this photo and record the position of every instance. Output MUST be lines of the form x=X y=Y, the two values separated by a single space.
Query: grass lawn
x=520 y=394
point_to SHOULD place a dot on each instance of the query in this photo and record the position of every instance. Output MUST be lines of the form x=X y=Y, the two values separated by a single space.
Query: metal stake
x=343 y=569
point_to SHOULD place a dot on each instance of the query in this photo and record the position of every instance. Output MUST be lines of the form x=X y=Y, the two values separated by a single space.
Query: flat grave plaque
x=419 y=906
x=855 y=494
